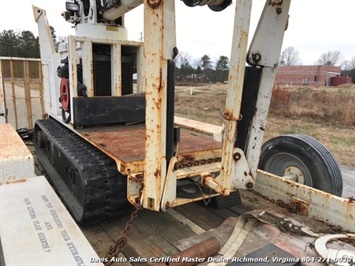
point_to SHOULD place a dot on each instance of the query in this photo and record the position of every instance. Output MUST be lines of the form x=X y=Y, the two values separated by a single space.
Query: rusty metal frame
x=313 y=203
x=233 y=102
x=158 y=178
x=159 y=41
x=234 y=169
x=78 y=45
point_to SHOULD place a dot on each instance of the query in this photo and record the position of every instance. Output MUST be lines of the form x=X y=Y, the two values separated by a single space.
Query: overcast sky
x=315 y=26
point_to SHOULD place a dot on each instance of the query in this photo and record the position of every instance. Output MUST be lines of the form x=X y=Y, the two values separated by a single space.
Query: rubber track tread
x=102 y=188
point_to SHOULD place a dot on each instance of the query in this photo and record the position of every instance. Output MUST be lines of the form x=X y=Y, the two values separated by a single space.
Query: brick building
x=306 y=75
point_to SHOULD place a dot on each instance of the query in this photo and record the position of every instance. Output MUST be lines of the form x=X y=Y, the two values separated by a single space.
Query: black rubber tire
x=318 y=162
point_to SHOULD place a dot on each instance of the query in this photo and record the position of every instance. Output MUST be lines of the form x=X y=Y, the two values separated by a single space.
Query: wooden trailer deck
x=160 y=235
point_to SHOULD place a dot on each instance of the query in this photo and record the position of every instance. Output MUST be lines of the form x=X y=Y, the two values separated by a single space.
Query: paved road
x=348 y=181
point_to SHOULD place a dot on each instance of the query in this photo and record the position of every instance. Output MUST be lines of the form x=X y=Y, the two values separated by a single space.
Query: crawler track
x=85 y=178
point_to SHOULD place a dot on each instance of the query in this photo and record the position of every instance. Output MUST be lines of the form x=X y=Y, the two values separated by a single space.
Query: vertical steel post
x=73 y=74
x=3 y=116
x=116 y=56
x=88 y=68
x=264 y=51
x=234 y=93
x=159 y=40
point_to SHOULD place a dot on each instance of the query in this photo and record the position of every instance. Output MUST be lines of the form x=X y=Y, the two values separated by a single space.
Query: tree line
x=204 y=70
x=21 y=44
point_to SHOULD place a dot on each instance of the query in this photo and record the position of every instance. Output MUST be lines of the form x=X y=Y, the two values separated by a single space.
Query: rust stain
x=280 y=203
x=157 y=173
x=188 y=157
x=15 y=181
x=137 y=178
x=225 y=192
x=135 y=201
x=126 y=145
x=228 y=115
x=298 y=207
x=275 y=2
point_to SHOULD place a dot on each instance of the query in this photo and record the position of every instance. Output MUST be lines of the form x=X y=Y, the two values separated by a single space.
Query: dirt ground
x=206 y=103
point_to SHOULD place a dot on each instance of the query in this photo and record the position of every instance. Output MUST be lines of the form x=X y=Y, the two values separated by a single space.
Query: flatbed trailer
x=299 y=217
x=97 y=168
x=156 y=237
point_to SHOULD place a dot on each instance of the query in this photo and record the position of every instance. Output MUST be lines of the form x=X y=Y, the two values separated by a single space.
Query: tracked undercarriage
x=84 y=177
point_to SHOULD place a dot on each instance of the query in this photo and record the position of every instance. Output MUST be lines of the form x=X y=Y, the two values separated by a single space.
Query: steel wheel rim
x=280 y=163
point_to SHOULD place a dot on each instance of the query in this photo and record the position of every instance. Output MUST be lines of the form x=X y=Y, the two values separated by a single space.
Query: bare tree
x=352 y=63
x=331 y=58
x=289 y=57
x=348 y=65
x=183 y=58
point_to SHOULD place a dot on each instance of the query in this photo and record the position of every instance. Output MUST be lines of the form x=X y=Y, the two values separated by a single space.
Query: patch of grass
x=343 y=142
x=333 y=107
x=326 y=114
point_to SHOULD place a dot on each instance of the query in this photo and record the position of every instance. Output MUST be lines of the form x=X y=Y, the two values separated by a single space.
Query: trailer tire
x=302 y=159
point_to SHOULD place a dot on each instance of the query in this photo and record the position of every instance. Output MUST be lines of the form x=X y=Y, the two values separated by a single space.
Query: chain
x=122 y=240
x=202 y=194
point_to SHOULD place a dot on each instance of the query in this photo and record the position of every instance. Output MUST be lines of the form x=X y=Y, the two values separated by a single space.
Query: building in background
x=337 y=81
x=308 y=75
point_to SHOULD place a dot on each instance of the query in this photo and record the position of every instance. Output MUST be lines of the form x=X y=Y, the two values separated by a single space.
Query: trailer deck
x=126 y=145
x=156 y=236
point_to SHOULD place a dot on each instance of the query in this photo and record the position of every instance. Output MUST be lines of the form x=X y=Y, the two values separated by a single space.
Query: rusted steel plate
x=126 y=145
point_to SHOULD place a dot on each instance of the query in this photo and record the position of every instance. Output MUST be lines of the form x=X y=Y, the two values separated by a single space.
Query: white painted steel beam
x=159 y=41
x=316 y=204
x=234 y=99
x=264 y=51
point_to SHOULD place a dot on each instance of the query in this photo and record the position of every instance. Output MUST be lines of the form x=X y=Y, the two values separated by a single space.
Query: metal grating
x=102 y=75
x=127 y=76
